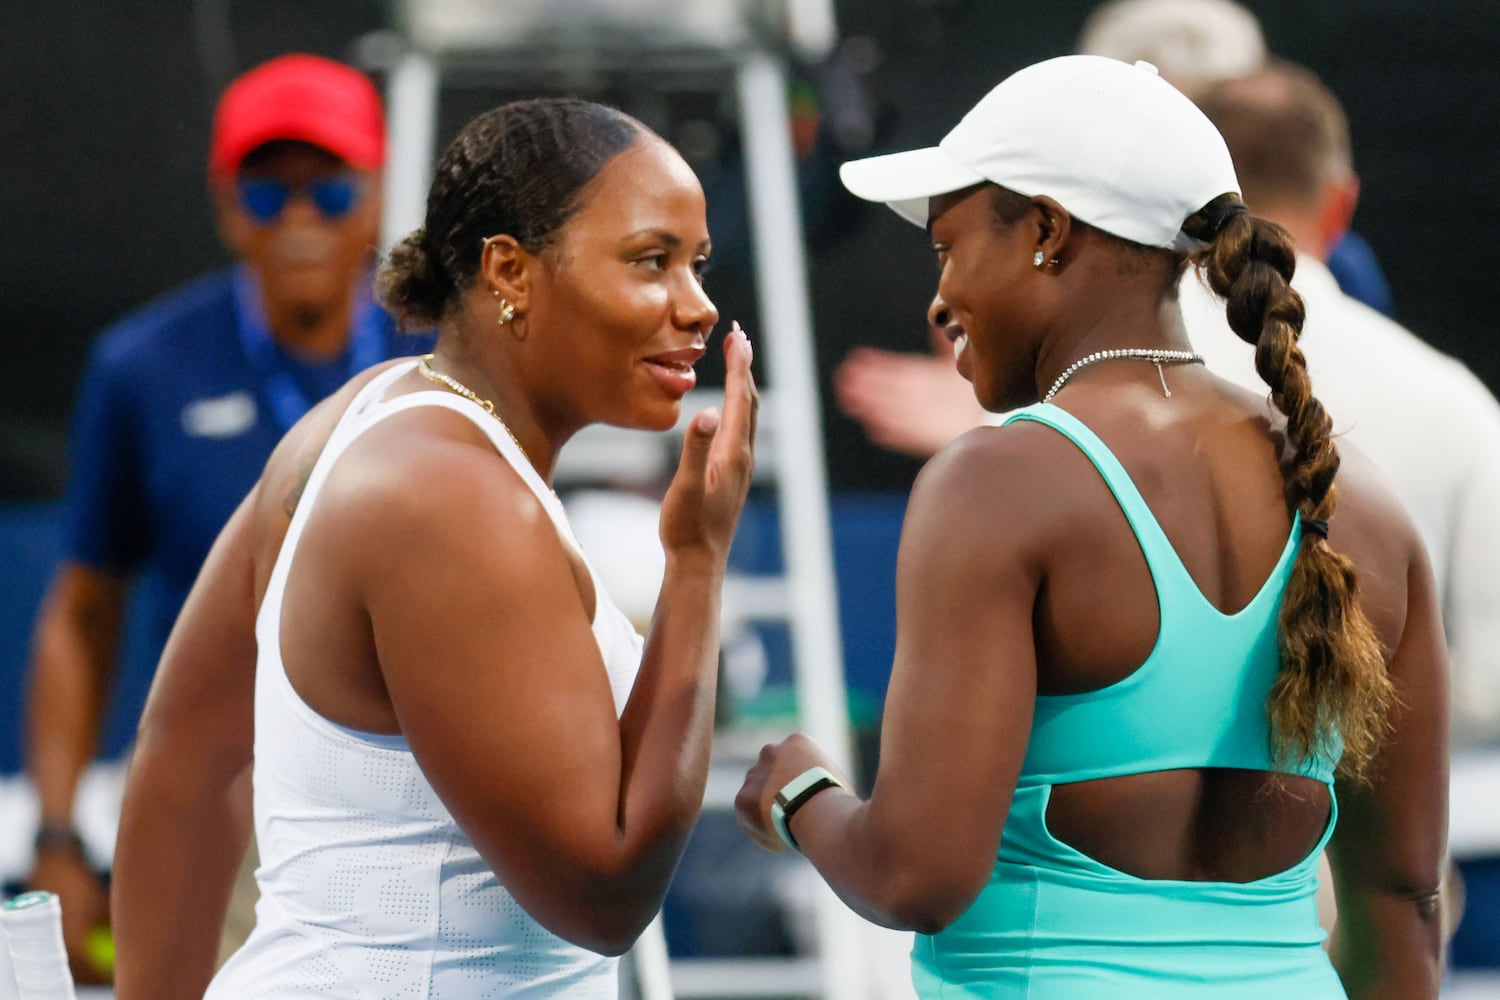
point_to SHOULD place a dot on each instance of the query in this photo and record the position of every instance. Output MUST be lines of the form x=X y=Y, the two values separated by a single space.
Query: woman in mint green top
x=1144 y=674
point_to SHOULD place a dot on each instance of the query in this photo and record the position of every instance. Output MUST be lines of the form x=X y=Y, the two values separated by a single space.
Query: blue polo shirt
x=180 y=406
x=1358 y=272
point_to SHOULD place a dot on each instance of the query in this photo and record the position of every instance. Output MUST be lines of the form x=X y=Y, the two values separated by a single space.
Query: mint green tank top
x=1055 y=924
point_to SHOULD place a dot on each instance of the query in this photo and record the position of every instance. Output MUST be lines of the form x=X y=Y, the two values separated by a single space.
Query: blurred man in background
x=182 y=402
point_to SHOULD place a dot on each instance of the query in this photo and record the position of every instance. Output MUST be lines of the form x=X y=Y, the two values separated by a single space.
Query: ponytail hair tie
x=1201 y=228
x=1314 y=526
x=1218 y=219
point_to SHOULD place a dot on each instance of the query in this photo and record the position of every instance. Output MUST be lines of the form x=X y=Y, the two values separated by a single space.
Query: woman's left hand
x=779 y=763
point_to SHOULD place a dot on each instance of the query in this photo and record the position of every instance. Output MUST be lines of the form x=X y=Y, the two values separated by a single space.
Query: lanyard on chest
x=273 y=369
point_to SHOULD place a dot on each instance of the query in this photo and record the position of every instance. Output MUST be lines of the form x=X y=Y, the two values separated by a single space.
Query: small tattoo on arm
x=290 y=503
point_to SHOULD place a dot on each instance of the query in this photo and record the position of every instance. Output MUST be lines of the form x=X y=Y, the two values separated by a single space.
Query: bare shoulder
x=1369 y=506
x=431 y=457
x=999 y=485
x=292 y=459
x=986 y=465
x=1371 y=524
x=429 y=477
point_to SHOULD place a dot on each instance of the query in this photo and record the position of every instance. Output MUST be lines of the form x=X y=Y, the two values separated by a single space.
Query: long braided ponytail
x=1332 y=682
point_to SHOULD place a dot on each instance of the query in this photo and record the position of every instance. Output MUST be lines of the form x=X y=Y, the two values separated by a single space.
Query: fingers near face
x=740 y=391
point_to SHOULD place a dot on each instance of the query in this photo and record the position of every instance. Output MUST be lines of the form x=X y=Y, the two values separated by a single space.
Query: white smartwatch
x=794 y=795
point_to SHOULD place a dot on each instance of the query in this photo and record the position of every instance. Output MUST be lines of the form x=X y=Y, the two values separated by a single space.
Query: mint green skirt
x=1054 y=924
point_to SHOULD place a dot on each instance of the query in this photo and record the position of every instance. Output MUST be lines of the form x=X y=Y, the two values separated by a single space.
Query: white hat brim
x=906 y=181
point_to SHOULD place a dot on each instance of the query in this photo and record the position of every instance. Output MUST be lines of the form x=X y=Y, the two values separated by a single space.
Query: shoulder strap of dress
x=346 y=430
x=1160 y=555
x=493 y=429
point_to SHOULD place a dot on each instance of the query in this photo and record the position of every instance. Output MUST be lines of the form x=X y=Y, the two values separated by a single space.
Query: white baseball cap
x=1113 y=143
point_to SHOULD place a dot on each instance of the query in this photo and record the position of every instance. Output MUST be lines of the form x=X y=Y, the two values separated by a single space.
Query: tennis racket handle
x=33 y=928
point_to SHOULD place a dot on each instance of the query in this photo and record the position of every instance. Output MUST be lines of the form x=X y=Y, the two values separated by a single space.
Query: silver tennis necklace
x=1155 y=355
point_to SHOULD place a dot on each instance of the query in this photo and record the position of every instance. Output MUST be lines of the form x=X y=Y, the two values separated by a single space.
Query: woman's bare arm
x=1387 y=851
x=72 y=673
x=958 y=712
x=487 y=654
x=185 y=822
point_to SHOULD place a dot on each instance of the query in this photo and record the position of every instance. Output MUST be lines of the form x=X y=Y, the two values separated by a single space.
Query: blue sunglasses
x=265 y=199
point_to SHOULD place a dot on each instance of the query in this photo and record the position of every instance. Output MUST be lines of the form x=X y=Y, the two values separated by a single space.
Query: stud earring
x=1037 y=260
x=507 y=311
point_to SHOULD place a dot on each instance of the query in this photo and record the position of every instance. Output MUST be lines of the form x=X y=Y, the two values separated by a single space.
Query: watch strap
x=58 y=837
x=794 y=795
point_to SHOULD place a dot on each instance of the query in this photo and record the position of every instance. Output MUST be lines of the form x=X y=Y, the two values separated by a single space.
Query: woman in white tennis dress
x=471 y=778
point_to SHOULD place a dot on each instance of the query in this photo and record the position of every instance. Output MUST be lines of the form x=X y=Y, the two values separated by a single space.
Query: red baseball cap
x=301 y=97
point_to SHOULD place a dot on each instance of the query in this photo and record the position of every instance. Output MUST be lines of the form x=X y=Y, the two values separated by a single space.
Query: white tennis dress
x=369 y=889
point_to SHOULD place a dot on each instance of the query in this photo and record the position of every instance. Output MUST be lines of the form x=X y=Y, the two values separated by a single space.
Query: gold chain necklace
x=428 y=372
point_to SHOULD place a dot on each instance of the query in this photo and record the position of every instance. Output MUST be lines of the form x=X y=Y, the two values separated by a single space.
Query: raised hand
x=703 y=504
x=911 y=403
